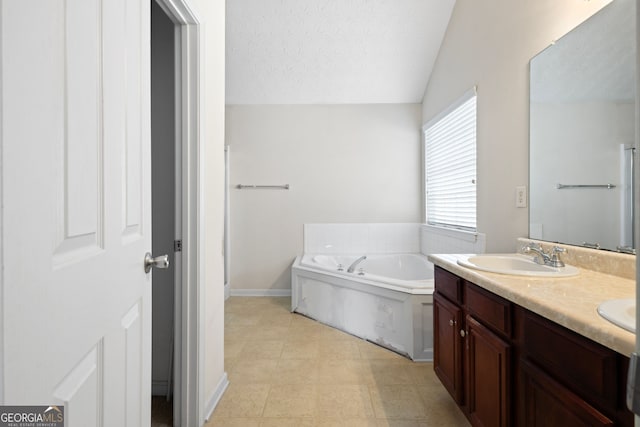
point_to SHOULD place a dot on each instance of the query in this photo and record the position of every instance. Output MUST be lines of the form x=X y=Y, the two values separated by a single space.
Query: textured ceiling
x=332 y=51
x=594 y=62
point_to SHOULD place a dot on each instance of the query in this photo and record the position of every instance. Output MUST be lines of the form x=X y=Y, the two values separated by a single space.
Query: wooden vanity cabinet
x=487 y=376
x=549 y=403
x=505 y=365
x=447 y=355
x=475 y=368
x=568 y=379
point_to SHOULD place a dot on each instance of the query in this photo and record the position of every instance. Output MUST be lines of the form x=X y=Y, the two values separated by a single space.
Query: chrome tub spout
x=355 y=263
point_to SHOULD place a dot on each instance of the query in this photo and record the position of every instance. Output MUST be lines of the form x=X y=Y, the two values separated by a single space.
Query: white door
x=76 y=217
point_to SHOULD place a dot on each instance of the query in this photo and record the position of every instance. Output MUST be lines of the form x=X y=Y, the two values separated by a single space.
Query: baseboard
x=227 y=289
x=216 y=396
x=159 y=387
x=260 y=292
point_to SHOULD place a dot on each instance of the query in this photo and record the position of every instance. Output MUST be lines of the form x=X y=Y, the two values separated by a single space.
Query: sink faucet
x=355 y=263
x=541 y=257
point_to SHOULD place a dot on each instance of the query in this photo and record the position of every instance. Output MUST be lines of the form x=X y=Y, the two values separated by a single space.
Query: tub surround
x=393 y=316
x=391 y=308
x=570 y=302
x=409 y=273
x=387 y=310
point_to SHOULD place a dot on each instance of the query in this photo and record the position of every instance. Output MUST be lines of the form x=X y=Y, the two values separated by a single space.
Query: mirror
x=582 y=133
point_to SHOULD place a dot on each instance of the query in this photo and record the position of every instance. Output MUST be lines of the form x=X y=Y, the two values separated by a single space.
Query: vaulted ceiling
x=332 y=51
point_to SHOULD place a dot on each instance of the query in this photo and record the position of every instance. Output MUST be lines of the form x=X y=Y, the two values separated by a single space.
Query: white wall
x=489 y=44
x=212 y=34
x=347 y=163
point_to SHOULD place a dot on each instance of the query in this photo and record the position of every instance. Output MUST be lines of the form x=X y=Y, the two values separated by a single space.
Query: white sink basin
x=620 y=312
x=515 y=264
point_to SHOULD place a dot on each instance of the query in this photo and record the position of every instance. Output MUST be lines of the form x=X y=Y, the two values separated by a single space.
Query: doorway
x=179 y=357
x=165 y=183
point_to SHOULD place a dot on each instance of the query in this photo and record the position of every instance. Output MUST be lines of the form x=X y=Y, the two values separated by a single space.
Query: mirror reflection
x=582 y=133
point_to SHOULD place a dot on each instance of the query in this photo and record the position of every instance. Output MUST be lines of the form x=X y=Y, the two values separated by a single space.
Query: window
x=450 y=165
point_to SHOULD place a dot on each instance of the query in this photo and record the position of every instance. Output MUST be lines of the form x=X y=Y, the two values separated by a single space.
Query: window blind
x=450 y=166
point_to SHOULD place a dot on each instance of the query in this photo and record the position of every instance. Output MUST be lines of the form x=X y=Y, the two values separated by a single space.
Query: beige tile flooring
x=287 y=370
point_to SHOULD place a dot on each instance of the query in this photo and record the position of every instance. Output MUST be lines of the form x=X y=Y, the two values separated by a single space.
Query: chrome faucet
x=543 y=258
x=540 y=257
x=355 y=263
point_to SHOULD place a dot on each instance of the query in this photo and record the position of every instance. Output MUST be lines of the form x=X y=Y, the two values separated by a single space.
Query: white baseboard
x=216 y=396
x=260 y=292
x=159 y=387
x=227 y=289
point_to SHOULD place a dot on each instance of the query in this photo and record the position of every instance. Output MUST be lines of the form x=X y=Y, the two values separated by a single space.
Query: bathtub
x=387 y=300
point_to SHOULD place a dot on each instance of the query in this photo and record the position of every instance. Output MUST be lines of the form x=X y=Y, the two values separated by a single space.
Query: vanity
x=527 y=350
x=530 y=351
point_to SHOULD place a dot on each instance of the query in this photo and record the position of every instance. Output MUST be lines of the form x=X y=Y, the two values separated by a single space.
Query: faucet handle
x=555 y=260
x=528 y=246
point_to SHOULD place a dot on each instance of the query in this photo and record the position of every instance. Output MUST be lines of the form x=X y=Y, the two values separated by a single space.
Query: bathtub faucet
x=355 y=263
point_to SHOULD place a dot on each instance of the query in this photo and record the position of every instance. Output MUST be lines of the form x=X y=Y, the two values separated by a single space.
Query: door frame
x=189 y=311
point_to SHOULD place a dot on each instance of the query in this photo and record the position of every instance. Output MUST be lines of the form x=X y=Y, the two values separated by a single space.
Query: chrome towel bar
x=263 y=187
x=608 y=186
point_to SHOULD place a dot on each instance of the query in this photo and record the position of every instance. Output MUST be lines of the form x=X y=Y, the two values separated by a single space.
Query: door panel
x=133 y=137
x=78 y=157
x=132 y=327
x=76 y=216
x=82 y=142
x=82 y=390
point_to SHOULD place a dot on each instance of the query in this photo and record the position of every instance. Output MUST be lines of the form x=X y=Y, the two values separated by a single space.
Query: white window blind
x=450 y=165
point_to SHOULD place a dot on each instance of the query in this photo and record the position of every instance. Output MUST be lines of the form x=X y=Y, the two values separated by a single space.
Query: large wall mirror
x=582 y=133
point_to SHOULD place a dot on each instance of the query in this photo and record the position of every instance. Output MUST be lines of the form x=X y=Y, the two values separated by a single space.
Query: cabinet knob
x=462 y=333
x=452 y=322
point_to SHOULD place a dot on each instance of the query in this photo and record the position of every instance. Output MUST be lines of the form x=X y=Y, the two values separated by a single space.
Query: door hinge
x=177 y=245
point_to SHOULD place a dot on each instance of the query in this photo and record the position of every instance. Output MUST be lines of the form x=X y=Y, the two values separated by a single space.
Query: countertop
x=571 y=302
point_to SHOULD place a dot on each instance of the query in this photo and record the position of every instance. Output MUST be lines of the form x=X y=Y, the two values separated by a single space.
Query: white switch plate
x=521 y=196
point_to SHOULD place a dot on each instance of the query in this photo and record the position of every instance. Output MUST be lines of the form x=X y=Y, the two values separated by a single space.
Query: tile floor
x=161 y=412
x=287 y=370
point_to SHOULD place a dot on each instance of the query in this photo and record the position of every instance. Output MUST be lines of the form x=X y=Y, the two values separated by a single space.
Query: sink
x=620 y=312
x=515 y=264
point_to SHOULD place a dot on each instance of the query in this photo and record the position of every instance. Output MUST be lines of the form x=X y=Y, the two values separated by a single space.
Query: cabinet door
x=548 y=403
x=488 y=382
x=447 y=349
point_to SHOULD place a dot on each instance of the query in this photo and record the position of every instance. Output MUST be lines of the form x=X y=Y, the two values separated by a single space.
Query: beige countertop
x=571 y=302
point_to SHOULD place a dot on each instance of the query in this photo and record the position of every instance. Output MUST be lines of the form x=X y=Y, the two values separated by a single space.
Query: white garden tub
x=388 y=299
